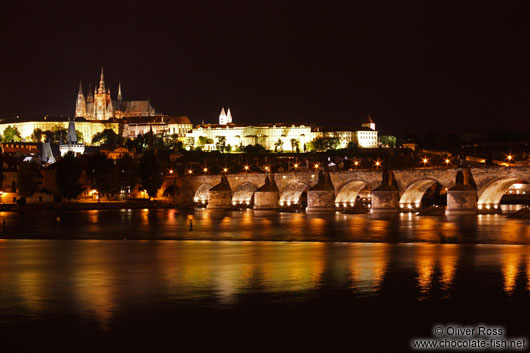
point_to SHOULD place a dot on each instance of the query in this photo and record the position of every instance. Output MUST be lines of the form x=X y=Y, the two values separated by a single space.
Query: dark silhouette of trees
x=67 y=176
x=27 y=179
x=151 y=176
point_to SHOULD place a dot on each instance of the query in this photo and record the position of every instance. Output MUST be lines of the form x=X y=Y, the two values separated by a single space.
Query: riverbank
x=69 y=206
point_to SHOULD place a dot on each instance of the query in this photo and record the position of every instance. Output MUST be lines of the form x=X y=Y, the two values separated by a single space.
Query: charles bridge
x=469 y=190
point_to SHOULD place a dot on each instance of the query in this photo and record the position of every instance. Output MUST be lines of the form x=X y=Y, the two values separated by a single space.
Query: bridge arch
x=244 y=193
x=348 y=193
x=202 y=192
x=293 y=192
x=414 y=192
x=490 y=196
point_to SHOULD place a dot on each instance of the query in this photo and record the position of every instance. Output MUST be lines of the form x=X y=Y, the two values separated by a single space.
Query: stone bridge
x=486 y=186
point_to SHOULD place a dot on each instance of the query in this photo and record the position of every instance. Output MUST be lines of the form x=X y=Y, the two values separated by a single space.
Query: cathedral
x=99 y=105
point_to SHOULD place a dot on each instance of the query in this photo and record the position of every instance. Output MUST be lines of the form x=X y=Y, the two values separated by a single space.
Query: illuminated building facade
x=163 y=124
x=98 y=105
x=367 y=136
x=26 y=126
x=275 y=137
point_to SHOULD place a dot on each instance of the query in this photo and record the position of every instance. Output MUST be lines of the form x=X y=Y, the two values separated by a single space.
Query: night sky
x=414 y=68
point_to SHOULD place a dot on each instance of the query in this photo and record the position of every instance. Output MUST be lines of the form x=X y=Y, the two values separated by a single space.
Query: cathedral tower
x=101 y=100
x=80 y=104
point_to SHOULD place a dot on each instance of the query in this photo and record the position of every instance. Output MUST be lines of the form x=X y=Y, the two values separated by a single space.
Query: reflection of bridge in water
x=468 y=189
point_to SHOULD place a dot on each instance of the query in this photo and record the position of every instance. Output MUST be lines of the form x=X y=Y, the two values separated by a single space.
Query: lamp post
x=246 y=169
x=356 y=163
x=377 y=164
x=205 y=170
x=425 y=161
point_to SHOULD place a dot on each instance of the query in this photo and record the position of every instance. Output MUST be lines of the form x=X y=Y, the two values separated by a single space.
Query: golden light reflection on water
x=94 y=285
x=99 y=276
x=425 y=268
x=230 y=268
x=511 y=257
x=368 y=266
x=448 y=263
x=31 y=286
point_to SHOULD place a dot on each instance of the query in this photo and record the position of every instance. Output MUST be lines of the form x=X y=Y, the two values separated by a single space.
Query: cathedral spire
x=119 y=92
x=228 y=116
x=80 y=104
x=101 y=83
x=222 y=117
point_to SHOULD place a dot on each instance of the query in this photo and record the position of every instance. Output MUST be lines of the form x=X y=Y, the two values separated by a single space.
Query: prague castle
x=98 y=105
x=97 y=111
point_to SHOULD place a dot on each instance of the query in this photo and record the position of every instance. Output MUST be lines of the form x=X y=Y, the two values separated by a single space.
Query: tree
x=221 y=143
x=27 y=179
x=278 y=146
x=107 y=138
x=67 y=176
x=190 y=142
x=150 y=173
x=203 y=141
x=57 y=134
x=127 y=172
x=253 y=148
x=294 y=145
x=80 y=137
x=37 y=135
x=11 y=134
x=325 y=143
x=101 y=171
x=388 y=140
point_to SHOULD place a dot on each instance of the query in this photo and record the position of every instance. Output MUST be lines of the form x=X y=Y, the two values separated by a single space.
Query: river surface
x=142 y=281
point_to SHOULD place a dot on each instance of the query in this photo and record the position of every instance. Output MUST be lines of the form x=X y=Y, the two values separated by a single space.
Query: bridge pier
x=321 y=197
x=462 y=197
x=385 y=201
x=220 y=196
x=385 y=198
x=461 y=201
x=184 y=197
x=267 y=197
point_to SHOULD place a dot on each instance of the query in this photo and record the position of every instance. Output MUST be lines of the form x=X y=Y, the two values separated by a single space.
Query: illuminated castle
x=100 y=106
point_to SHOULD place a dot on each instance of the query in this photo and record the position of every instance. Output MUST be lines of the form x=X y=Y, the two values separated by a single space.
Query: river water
x=141 y=280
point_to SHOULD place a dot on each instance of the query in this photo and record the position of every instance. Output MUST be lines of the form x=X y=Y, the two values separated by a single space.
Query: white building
x=367 y=136
x=279 y=137
x=71 y=142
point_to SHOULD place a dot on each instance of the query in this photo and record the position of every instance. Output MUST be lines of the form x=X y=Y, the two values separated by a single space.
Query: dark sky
x=415 y=68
